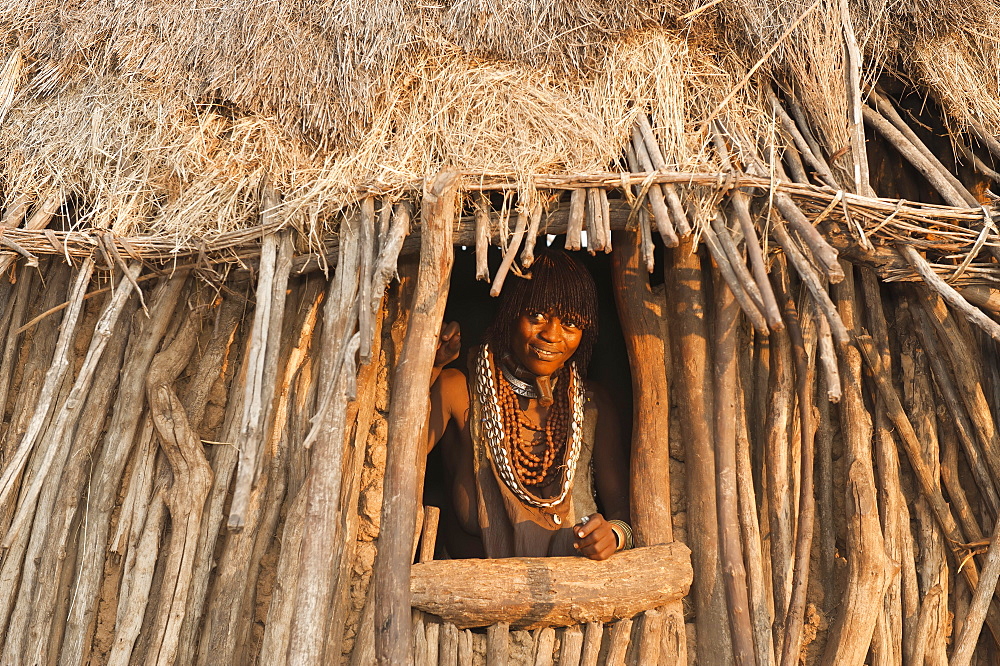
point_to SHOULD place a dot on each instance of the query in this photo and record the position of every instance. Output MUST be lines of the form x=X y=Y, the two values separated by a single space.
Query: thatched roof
x=165 y=117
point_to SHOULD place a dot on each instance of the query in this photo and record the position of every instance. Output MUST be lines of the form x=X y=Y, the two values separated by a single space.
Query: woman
x=519 y=434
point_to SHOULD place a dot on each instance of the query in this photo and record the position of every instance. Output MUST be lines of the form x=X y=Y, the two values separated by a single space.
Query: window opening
x=470 y=304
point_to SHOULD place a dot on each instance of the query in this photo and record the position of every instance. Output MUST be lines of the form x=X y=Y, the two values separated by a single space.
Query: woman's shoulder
x=453 y=386
x=452 y=376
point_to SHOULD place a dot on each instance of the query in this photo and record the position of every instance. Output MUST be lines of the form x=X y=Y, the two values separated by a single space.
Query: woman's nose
x=550 y=329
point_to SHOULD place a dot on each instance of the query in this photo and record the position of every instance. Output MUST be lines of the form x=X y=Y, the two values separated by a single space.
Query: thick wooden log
x=530 y=592
x=804 y=372
x=779 y=487
x=261 y=369
x=21 y=295
x=185 y=498
x=730 y=547
x=106 y=477
x=419 y=626
x=853 y=85
x=650 y=463
x=465 y=648
x=692 y=386
x=758 y=585
x=366 y=251
x=649 y=638
x=868 y=566
x=482 y=216
x=921 y=575
x=528 y=253
x=410 y=402
x=428 y=533
x=570 y=648
x=317 y=551
x=545 y=642
x=596 y=239
x=55 y=471
x=592 y=637
x=576 y=218
x=498 y=644
x=621 y=634
x=448 y=655
x=361 y=414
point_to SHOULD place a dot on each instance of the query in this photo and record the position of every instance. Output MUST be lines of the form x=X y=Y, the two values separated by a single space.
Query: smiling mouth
x=544 y=354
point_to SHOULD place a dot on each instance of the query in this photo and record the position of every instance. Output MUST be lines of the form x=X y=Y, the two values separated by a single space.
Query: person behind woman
x=521 y=434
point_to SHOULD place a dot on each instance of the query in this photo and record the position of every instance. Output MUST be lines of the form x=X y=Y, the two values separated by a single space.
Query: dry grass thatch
x=165 y=117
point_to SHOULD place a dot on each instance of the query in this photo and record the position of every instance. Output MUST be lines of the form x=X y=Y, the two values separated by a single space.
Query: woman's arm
x=448 y=389
x=594 y=536
x=611 y=463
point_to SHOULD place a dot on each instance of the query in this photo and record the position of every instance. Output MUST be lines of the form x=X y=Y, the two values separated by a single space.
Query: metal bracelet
x=623 y=534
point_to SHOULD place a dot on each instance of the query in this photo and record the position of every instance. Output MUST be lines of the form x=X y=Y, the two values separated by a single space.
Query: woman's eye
x=536 y=317
x=571 y=323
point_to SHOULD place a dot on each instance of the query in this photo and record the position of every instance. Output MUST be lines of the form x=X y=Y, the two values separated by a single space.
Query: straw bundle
x=964 y=72
x=165 y=117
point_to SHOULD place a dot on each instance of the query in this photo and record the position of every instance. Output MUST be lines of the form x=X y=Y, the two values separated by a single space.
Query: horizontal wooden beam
x=531 y=592
x=883 y=260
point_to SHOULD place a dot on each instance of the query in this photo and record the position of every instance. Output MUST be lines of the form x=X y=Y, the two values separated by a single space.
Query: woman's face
x=544 y=342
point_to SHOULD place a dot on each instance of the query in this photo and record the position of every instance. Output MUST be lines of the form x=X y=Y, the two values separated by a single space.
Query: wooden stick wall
x=198 y=475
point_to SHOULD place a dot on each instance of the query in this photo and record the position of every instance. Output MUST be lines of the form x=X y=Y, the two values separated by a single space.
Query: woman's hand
x=449 y=344
x=594 y=537
x=448 y=348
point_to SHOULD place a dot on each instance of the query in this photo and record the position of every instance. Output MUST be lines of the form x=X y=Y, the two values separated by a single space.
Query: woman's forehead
x=560 y=312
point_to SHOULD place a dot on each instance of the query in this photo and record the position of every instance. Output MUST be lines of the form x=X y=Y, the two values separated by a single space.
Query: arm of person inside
x=447 y=385
x=598 y=536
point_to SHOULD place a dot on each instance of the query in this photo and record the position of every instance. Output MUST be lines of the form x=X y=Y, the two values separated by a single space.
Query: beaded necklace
x=516 y=462
x=530 y=468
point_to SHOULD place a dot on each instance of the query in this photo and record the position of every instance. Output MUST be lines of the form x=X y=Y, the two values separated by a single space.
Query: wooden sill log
x=532 y=592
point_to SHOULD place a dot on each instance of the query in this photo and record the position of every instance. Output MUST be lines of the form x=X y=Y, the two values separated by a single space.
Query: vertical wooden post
x=867 y=573
x=733 y=570
x=410 y=402
x=317 y=555
x=804 y=373
x=693 y=386
x=650 y=464
x=650 y=473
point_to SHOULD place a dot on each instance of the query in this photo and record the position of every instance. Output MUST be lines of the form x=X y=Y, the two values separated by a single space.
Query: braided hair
x=557 y=284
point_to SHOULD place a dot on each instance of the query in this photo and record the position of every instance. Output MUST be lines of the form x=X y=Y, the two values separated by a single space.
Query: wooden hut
x=227 y=243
